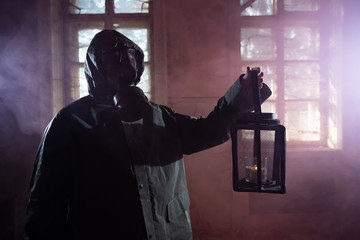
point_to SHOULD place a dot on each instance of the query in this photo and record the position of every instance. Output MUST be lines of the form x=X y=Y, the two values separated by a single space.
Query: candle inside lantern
x=251 y=173
x=251 y=170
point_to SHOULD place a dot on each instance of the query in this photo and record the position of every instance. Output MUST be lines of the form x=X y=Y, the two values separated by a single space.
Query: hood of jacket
x=94 y=68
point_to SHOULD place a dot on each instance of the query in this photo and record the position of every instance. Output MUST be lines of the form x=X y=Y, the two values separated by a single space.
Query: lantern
x=258 y=149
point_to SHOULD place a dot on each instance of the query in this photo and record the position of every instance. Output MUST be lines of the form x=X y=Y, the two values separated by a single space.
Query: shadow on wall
x=17 y=151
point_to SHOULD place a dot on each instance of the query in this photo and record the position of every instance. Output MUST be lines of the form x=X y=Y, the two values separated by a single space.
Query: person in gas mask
x=110 y=165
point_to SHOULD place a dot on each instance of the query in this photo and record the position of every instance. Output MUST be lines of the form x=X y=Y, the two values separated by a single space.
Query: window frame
x=64 y=27
x=76 y=22
x=276 y=23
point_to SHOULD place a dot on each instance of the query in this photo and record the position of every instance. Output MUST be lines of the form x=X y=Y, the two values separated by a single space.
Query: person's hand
x=246 y=80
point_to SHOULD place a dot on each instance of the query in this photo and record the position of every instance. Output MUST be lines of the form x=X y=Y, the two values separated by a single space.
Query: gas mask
x=120 y=67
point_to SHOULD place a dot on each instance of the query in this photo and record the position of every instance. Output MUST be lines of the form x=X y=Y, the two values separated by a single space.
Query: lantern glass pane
x=247 y=152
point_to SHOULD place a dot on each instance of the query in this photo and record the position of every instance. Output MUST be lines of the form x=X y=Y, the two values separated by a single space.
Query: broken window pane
x=301 y=5
x=78 y=85
x=87 y=6
x=302 y=121
x=83 y=86
x=84 y=38
x=258 y=7
x=302 y=81
x=257 y=44
x=301 y=43
x=131 y=6
x=139 y=36
x=145 y=83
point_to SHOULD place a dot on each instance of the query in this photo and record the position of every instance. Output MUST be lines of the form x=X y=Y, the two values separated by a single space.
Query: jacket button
x=141 y=186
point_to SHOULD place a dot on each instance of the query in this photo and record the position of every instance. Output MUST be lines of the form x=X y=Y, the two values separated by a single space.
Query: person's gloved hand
x=245 y=80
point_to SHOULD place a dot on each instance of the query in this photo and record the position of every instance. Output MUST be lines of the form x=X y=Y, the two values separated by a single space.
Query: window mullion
x=280 y=64
x=324 y=30
x=280 y=101
x=109 y=11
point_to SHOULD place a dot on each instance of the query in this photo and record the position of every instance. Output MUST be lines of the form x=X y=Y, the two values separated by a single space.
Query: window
x=84 y=18
x=295 y=42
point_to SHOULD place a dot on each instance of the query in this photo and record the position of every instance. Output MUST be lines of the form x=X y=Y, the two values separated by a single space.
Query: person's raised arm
x=204 y=132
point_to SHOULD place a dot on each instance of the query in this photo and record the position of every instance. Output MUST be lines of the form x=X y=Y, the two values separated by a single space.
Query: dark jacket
x=106 y=172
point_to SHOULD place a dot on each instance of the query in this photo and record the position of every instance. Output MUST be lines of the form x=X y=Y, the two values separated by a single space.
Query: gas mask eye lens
x=132 y=59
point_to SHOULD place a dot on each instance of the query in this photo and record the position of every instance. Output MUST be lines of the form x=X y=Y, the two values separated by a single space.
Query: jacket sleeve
x=201 y=133
x=47 y=209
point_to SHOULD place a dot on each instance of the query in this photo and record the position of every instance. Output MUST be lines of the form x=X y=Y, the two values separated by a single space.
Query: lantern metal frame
x=259 y=122
x=277 y=183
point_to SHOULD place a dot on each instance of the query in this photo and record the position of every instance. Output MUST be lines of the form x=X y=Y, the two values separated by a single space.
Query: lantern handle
x=254 y=76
